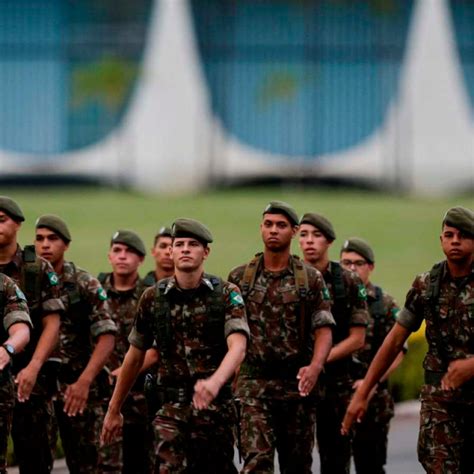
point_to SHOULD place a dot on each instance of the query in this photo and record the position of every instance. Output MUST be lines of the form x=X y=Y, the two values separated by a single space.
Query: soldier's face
x=49 y=245
x=162 y=253
x=457 y=246
x=188 y=254
x=313 y=243
x=8 y=229
x=124 y=260
x=277 y=232
x=357 y=263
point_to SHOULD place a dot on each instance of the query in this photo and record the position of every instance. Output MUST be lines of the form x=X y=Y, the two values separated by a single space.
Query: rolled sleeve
x=138 y=340
x=360 y=317
x=14 y=317
x=408 y=320
x=103 y=327
x=53 y=305
x=236 y=325
x=235 y=313
x=321 y=319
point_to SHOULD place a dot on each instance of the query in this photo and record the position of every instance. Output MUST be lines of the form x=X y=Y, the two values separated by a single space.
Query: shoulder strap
x=2 y=295
x=30 y=275
x=250 y=273
x=102 y=276
x=216 y=299
x=434 y=283
x=72 y=288
x=162 y=318
x=301 y=280
x=377 y=312
x=339 y=286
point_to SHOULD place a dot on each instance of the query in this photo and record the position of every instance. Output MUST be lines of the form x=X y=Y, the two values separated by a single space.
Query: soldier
x=290 y=326
x=86 y=342
x=443 y=297
x=369 y=445
x=161 y=252
x=349 y=307
x=15 y=334
x=32 y=429
x=131 y=453
x=198 y=322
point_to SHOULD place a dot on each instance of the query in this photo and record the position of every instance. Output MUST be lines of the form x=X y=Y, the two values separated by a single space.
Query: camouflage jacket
x=150 y=278
x=274 y=316
x=449 y=321
x=12 y=305
x=123 y=306
x=86 y=317
x=43 y=302
x=193 y=343
x=377 y=329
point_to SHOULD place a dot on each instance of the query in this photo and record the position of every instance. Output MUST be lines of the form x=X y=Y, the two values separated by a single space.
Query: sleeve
x=235 y=315
x=100 y=318
x=16 y=307
x=358 y=301
x=141 y=335
x=320 y=302
x=50 y=294
x=411 y=315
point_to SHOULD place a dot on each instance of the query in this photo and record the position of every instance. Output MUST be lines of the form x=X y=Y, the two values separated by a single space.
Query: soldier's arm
x=151 y=358
x=353 y=342
x=206 y=390
x=385 y=356
x=18 y=337
x=132 y=363
x=308 y=376
x=26 y=378
x=77 y=393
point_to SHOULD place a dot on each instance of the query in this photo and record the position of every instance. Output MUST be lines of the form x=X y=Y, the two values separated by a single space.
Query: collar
x=203 y=282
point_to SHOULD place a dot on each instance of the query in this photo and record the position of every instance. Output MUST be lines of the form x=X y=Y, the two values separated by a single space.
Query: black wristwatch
x=10 y=349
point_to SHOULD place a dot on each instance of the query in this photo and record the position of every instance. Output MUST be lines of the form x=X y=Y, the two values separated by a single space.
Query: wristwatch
x=10 y=349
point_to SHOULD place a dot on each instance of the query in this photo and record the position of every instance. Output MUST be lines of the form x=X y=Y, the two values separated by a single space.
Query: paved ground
x=401 y=449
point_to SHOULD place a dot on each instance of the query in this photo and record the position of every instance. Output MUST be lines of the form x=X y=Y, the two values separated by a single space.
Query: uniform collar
x=205 y=281
x=371 y=293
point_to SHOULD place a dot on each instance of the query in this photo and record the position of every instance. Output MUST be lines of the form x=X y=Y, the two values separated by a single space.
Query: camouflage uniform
x=150 y=278
x=369 y=445
x=350 y=311
x=35 y=453
x=132 y=452
x=14 y=309
x=273 y=414
x=189 y=440
x=87 y=316
x=447 y=416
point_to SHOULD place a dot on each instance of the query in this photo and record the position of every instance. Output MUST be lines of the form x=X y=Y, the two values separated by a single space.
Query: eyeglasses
x=350 y=263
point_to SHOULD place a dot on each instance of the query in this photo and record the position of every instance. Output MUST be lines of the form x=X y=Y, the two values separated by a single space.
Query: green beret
x=164 y=232
x=184 y=227
x=129 y=238
x=280 y=207
x=321 y=223
x=360 y=246
x=56 y=224
x=10 y=207
x=461 y=218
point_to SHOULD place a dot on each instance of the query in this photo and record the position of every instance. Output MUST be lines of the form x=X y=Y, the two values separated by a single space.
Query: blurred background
x=128 y=114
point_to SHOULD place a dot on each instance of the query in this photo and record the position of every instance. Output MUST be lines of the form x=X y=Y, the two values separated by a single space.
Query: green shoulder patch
x=53 y=278
x=362 y=292
x=236 y=298
x=326 y=294
x=102 y=294
x=20 y=294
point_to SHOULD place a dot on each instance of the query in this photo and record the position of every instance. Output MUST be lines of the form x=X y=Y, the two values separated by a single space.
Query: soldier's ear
x=296 y=228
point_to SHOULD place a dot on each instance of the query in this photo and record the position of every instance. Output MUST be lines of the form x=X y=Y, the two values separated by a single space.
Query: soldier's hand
x=112 y=427
x=26 y=380
x=307 y=377
x=75 y=397
x=5 y=358
x=205 y=390
x=459 y=371
x=354 y=413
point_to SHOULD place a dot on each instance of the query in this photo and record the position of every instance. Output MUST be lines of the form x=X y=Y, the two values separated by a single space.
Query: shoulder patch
x=53 y=278
x=102 y=294
x=236 y=298
x=326 y=294
x=362 y=292
x=20 y=294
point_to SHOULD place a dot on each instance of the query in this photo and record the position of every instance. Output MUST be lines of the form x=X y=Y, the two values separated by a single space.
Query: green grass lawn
x=403 y=230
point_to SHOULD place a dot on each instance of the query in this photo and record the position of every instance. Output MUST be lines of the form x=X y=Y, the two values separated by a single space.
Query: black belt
x=434 y=378
x=184 y=394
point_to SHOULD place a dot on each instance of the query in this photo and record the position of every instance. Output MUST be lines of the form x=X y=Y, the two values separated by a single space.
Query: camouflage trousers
x=369 y=445
x=7 y=402
x=334 y=448
x=80 y=436
x=195 y=442
x=446 y=439
x=284 y=425
x=33 y=435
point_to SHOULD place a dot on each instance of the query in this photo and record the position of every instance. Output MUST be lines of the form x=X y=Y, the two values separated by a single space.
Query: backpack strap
x=432 y=304
x=30 y=275
x=102 y=277
x=72 y=288
x=377 y=312
x=250 y=274
x=163 y=318
x=301 y=280
x=2 y=295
